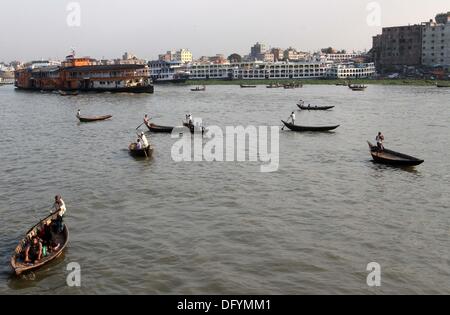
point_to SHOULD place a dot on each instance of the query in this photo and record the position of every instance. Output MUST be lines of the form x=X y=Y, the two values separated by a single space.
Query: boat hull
x=94 y=119
x=159 y=129
x=144 y=153
x=314 y=107
x=389 y=157
x=299 y=128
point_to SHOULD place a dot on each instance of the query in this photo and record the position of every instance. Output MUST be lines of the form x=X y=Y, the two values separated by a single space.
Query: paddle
x=285 y=125
x=140 y=125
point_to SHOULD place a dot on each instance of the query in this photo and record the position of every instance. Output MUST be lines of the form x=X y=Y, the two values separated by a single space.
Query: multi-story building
x=292 y=54
x=257 y=51
x=260 y=70
x=398 y=46
x=341 y=57
x=352 y=71
x=278 y=54
x=183 y=56
x=436 y=41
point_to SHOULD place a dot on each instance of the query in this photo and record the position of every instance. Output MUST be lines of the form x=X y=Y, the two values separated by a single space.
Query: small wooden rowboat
x=61 y=239
x=443 y=84
x=93 y=118
x=309 y=128
x=392 y=158
x=303 y=107
x=147 y=152
x=246 y=86
x=199 y=89
x=159 y=129
x=68 y=93
x=357 y=87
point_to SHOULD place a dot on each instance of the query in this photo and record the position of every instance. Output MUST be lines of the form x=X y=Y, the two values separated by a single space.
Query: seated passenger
x=33 y=253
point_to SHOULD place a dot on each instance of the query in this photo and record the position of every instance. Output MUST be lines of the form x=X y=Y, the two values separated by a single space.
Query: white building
x=352 y=71
x=260 y=70
x=341 y=57
x=436 y=43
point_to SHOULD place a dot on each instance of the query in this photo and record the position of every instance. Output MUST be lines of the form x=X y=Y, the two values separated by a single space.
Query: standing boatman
x=144 y=140
x=292 y=117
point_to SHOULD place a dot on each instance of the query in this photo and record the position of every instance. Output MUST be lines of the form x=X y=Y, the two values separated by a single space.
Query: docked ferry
x=167 y=72
x=86 y=74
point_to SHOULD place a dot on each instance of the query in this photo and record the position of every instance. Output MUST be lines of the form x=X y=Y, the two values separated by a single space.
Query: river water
x=160 y=227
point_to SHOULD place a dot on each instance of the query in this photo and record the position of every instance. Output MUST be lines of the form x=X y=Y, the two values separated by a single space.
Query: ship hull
x=137 y=89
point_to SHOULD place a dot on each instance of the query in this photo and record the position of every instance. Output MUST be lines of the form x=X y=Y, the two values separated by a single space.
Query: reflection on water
x=225 y=227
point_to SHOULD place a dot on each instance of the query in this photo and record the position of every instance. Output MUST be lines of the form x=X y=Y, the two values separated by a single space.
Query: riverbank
x=413 y=82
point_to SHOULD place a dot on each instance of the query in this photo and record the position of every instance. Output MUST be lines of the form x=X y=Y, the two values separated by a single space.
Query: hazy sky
x=35 y=29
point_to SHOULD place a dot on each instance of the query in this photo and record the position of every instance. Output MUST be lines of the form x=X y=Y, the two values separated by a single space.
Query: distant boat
x=357 y=87
x=293 y=86
x=392 y=158
x=199 y=89
x=93 y=118
x=299 y=128
x=159 y=129
x=443 y=84
x=274 y=86
x=246 y=86
x=309 y=107
x=68 y=93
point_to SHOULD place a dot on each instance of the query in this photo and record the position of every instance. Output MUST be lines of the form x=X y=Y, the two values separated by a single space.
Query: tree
x=234 y=58
x=328 y=50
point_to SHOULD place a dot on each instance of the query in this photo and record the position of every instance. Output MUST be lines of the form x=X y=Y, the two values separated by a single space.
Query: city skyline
x=148 y=29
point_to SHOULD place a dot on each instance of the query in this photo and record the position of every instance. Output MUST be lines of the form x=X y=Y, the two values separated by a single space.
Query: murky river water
x=160 y=227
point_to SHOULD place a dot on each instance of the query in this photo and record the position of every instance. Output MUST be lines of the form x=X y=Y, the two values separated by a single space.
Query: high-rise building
x=183 y=55
x=436 y=41
x=257 y=51
x=398 y=46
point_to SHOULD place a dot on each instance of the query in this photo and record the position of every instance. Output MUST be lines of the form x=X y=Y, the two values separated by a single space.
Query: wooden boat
x=62 y=239
x=392 y=158
x=246 y=86
x=68 y=93
x=274 y=86
x=147 y=152
x=199 y=89
x=159 y=129
x=93 y=118
x=443 y=85
x=357 y=87
x=303 y=107
x=309 y=128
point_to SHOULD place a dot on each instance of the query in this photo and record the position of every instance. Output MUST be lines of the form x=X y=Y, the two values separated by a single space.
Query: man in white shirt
x=60 y=208
x=144 y=140
x=292 y=117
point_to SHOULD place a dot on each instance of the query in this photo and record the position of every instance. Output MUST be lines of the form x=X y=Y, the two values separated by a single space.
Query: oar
x=140 y=125
x=285 y=125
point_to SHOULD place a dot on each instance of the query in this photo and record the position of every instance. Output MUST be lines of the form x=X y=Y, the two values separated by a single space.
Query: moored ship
x=86 y=74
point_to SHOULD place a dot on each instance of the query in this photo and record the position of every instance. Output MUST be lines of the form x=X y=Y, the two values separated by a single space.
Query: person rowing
x=146 y=120
x=292 y=118
x=380 y=139
x=144 y=140
x=60 y=209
